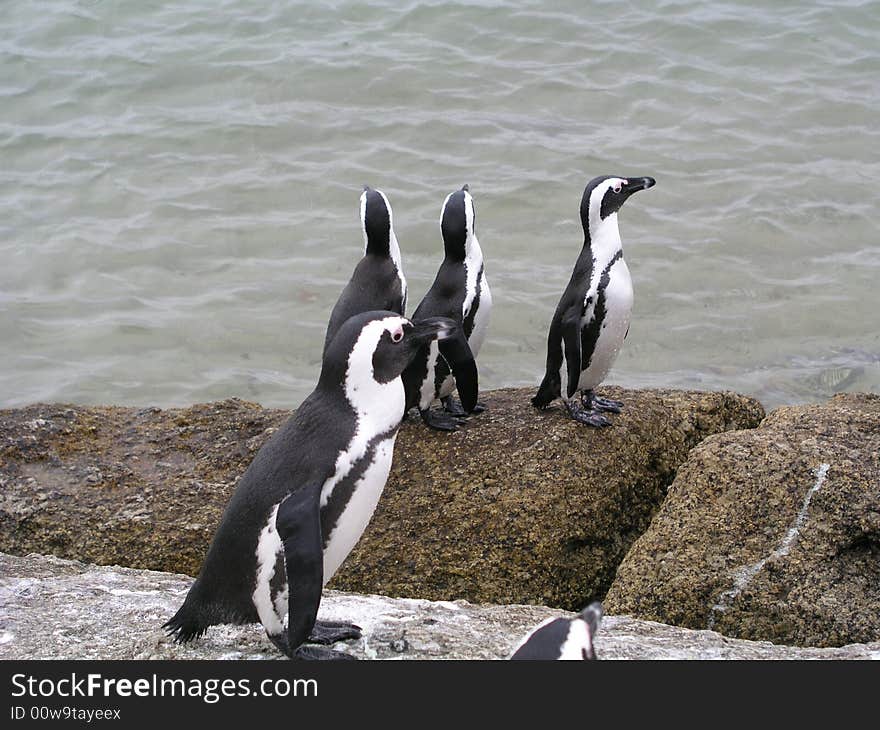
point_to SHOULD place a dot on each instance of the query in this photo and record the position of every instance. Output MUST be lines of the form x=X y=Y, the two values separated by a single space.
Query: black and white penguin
x=304 y=501
x=461 y=292
x=378 y=282
x=592 y=317
x=563 y=638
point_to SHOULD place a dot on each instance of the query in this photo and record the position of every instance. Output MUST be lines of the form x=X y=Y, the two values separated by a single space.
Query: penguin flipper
x=457 y=353
x=299 y=526
x=571 y=339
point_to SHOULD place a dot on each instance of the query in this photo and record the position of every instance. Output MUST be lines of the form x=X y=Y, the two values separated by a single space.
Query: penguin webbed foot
x=323 y=632
x=329 y=632
x=281 y=643
x=440 y=421
x=587 y=417
x=321 y=653
x=453 y=407
x=593 y=402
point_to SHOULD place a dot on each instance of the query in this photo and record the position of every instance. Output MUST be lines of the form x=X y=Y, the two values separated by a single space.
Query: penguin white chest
x=612 y=305
x=481 y=318
x=578 y=644
x=359 y=509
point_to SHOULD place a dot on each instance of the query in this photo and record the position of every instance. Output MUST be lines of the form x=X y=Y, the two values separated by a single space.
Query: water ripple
x=178 y=199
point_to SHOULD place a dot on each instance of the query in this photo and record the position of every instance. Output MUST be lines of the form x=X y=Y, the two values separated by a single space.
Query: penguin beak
x=634 y=184
x=433 y=328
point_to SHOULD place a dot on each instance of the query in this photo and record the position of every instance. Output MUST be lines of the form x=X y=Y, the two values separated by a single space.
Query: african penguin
x=306 y=498
x=563 y=638
x=592 y=317
x=378 y=281
x=460 y=291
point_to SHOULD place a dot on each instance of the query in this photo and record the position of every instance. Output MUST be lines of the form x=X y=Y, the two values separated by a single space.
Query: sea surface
x=179 y=185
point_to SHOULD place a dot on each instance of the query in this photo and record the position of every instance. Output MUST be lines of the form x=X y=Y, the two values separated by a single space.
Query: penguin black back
x=563 y=638
x=377 y=282
x=459 y=291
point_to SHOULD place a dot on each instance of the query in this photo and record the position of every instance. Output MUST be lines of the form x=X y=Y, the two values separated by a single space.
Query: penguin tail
x=549 y=390
x=187 y=624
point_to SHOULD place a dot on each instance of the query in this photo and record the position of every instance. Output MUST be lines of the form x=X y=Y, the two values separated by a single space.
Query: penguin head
x=591 y=617
x=563 y=638
x=376 y=222
x=376 y=347
x=457 y=223
x=604 y=195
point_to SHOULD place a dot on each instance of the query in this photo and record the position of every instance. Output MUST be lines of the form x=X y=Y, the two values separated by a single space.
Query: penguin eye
x=397 y=335
x=618 y=186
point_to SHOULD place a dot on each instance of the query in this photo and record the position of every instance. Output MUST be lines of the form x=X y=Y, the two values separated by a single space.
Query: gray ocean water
x=179 y=185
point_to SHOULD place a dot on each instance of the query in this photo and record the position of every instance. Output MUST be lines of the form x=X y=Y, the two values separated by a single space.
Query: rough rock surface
x=772 y=533
x=53 y=609
x=516 y=507
x=530 y=507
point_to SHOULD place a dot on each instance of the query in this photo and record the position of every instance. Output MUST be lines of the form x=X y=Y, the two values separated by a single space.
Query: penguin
x=378 y=282
x=461 y=292
x=592 y=318
x=309 y=493
x=563 y=638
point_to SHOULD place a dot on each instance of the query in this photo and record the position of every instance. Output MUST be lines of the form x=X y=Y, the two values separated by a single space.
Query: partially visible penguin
x=378 y=282
x=304 y=501
x=563 y=638
x=461 y=292
x=592 y=317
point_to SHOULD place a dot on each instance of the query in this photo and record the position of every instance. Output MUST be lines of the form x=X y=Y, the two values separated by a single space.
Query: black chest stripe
x=441 y=372
x=590 y=333
x=339 y=498
x=468 y=323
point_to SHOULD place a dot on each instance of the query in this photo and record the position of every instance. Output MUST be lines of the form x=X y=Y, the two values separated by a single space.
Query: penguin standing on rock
x=378 y=282
x=592 y=317
x=461 y=292
x=563 y=638
x=304 y=501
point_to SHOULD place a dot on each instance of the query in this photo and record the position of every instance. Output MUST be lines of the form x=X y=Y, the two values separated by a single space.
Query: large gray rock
x=517 y=507
x=772 y=533
x=58 y=609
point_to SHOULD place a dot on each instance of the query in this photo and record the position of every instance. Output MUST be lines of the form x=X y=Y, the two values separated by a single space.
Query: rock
x=59 y=609
x=772 y=533
x=111 y=485
x=517 y=507
x=530 y=507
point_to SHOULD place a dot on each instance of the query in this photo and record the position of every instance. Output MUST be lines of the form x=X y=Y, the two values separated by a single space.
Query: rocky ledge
x=59 y=609
x=772 y=533
x=517 y=507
